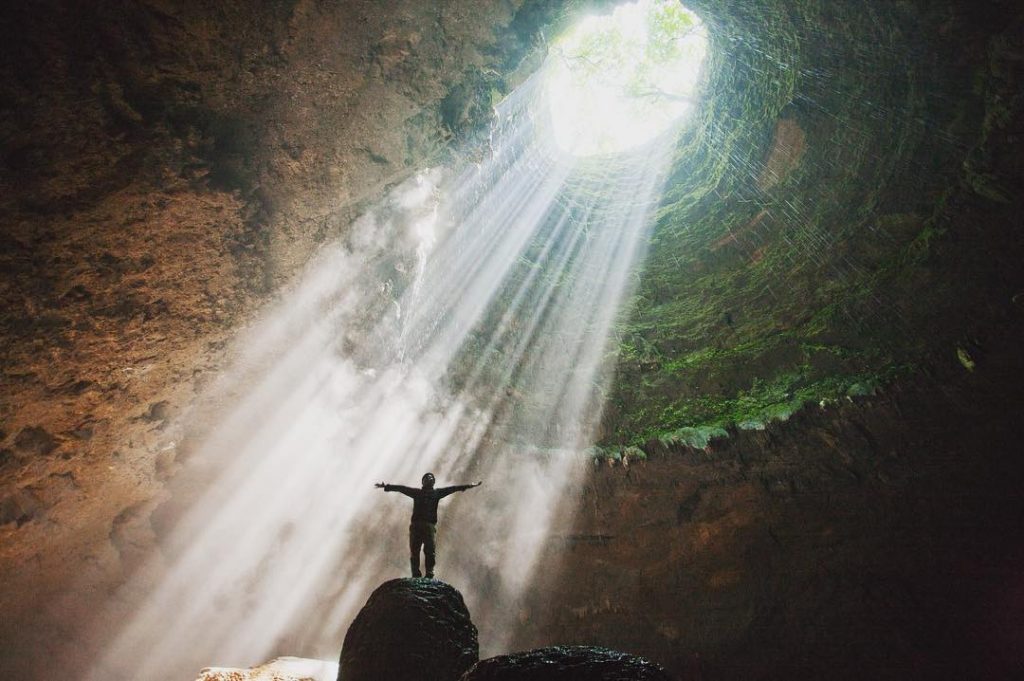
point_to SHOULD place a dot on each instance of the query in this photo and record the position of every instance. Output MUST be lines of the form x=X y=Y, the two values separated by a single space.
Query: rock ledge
x=567 y=663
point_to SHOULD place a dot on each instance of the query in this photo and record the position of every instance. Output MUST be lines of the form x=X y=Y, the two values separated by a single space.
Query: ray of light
x=463 y=327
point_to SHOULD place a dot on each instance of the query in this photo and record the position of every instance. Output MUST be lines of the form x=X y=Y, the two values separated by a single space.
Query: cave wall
x=842 y=224
x=808 y=464
x=165 y=168
x=845 y=212
x=809 y=460
x=877 y=538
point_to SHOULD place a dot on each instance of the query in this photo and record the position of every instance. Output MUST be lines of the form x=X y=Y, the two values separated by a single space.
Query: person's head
x=428 y=481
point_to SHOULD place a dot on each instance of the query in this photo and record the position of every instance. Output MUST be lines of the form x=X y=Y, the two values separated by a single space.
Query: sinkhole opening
x=616 y=81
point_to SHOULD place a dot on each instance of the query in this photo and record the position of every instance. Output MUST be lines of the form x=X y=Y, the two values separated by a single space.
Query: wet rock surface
x=410 y=630
x=567 y=663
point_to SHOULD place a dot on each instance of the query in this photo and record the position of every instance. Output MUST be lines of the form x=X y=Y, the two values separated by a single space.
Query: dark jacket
x=424 y=501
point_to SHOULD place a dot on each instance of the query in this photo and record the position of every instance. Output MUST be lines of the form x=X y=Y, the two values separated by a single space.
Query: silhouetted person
x=423 y=528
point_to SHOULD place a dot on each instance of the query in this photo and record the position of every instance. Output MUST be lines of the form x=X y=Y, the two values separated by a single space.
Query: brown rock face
x=164 y=166
x=871 y=539
x=788 y=145
x=410 y=630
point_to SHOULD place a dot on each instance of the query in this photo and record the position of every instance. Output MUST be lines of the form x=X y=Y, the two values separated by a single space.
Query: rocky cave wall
x=876 y=538
x=844 y=213
x=166 y=167
x=842 y=226
x=809 y=463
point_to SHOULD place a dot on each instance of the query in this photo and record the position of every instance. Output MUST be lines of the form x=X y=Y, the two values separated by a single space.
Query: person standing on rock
x=423 y=528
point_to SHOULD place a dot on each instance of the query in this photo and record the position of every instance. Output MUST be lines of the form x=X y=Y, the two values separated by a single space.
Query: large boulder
x=410 y=630
x=567 y=663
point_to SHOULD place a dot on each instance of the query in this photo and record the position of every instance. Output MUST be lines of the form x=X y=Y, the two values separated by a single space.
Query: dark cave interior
x=809 y=463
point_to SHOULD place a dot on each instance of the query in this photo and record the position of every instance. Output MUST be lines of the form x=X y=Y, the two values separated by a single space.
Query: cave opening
x=618 y=80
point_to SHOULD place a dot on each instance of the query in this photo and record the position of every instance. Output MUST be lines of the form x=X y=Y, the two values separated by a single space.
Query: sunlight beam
x=464 y=326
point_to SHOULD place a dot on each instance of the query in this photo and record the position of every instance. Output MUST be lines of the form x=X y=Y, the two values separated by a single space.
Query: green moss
x=634 y=454
x=755 y=302
x=865 y=388
x=965 y=359
x=697 y=437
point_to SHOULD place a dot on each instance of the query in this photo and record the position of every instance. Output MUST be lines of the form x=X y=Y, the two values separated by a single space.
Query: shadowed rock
x=34 y=441
x=567 y=663
x=18 y=507
x=410 y=629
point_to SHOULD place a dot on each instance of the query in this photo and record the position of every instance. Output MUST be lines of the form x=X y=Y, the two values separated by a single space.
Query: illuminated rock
x=280 y=669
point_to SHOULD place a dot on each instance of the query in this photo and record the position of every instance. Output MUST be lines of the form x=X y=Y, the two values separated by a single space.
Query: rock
x=280 y=669
x=567 y=663
x=34 y=440
x=77 y=293
x=410 y=629
x=18 y=507
x=165 y=462
x=158 y=412
x=77 y=387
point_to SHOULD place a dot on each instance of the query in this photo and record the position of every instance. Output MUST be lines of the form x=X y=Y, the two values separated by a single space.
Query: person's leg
x=429 y=546
x=415 y=542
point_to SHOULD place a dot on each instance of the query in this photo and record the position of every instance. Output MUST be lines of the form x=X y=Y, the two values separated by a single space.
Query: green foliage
x=634 y=454
x=697 y=437
x=755 y=303
x=965 y=358
x=667 y=22
x=865 y=388
x=758 y=301
x=598 y=53
x=608 y=55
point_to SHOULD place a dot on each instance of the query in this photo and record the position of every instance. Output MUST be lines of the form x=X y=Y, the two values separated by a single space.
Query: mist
x=463 y=326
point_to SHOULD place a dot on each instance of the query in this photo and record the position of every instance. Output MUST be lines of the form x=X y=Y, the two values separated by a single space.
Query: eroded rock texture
x=872 y=539
x=567 y=663
x=410 y=630
x=164 y=167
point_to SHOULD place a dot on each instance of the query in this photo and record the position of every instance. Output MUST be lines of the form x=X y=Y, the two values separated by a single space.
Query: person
x=423 y=528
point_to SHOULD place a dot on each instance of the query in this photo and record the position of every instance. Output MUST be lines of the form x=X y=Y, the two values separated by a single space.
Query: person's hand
x=380 y=485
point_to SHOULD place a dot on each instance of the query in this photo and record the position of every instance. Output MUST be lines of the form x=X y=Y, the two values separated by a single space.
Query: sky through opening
x=618 y=80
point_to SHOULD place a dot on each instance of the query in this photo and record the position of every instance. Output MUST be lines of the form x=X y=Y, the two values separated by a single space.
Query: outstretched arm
x=407 y=491
x=445 y=491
